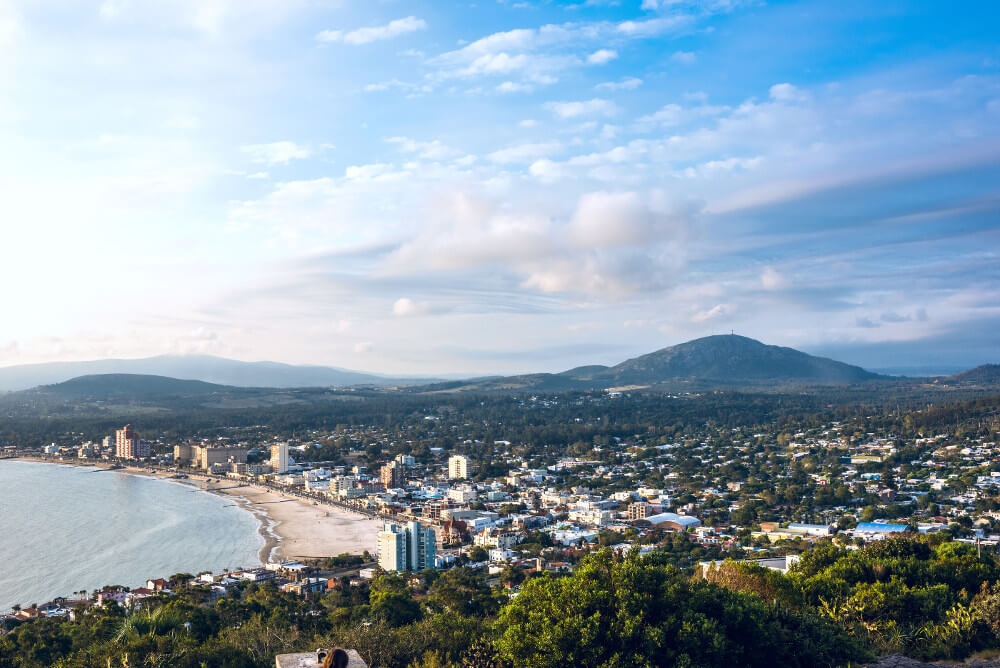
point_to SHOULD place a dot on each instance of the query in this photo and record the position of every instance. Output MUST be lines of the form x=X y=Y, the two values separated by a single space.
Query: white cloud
x=546 y=170
x=514 y=87
x=684 y=57
x=614 y=219
x=628 y=83
x=364 y=347
x=602 y=56
x=785 y=92
x=653 y=27
x=524 y=153
x=714 y=313
x=276 y=153
x=594 y=107
x=371 y=172
x=770 y=279
x=428 y=150
x=674 y=114
x=405 y=307
x=374 y=33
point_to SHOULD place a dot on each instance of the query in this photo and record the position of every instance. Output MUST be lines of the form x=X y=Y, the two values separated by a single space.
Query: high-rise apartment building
x=408 y=547
x=392 y=475
x=128 y=445
x=279 y=458
x=458 y=467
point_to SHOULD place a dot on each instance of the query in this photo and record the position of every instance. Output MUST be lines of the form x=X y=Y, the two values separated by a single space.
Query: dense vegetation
x=926 y=596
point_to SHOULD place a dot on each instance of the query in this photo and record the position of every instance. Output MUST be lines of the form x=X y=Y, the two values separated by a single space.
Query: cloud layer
x=531 y=189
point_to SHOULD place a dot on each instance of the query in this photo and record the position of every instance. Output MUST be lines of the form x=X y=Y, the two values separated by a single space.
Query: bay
x=67 y=528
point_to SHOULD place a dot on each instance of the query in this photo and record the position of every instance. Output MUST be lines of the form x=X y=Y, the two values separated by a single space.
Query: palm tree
x=163 y=621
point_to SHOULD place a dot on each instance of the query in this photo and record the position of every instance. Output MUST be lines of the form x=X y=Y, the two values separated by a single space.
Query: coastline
x=294 y=528
x=291 y=528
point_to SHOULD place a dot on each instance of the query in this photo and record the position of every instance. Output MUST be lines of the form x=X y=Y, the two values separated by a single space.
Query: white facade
x=458 y=467
x=408 y=547
x=279 y=458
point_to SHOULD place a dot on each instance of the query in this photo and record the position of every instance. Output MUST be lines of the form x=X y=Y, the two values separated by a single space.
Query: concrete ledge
x=311 y=660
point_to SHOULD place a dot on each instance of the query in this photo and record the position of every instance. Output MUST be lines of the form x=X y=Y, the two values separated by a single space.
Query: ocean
x=67 y=528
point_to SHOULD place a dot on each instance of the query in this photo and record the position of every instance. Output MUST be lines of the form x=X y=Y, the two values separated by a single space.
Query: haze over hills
x=206 y=368
x=722 y=361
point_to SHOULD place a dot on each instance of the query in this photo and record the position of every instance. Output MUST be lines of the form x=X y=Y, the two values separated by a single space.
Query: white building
x=408 y=547
x=279 y=458
x=462 y=494
x=458 y=467
x=490 y=538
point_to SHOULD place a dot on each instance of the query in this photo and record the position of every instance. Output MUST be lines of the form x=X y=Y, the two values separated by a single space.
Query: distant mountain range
x=205 y=368
x=712 y=362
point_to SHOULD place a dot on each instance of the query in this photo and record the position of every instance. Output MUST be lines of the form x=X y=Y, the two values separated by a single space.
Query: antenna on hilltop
x=732 y=332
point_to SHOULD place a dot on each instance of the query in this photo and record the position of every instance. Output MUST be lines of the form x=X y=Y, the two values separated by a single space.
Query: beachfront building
x=279 y=458
x=458 y=467
x=206 y=456
x=128 y=445
x=408 y=547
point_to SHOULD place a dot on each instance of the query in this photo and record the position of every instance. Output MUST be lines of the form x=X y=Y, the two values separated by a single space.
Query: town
x=758 y=493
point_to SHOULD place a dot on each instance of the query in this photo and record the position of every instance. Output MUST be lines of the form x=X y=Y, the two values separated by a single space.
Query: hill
x=706 y=363
x=732 y=359
x=131 y=385
x=206 y=368
x=986 y=374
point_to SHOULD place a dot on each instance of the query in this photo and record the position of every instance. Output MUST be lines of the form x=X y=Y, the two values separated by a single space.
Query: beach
x=297 y=529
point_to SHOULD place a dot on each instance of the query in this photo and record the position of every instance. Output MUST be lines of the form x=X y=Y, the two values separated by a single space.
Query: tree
x=461 y=591
x=635 y=612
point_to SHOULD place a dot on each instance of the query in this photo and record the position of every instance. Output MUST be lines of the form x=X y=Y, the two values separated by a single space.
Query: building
x=279 y=458
x=458 y=467
x=640 y=510
x=206 y=456
x=408 y=547
x=307 y=588
x=495 y=538
x=392 y=475
x=462 y=495
x=128 y=445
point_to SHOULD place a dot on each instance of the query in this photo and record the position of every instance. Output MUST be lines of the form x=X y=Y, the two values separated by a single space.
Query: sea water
x=66 y=528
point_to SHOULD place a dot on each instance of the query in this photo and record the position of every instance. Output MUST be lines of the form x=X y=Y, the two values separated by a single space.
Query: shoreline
x=291 y=528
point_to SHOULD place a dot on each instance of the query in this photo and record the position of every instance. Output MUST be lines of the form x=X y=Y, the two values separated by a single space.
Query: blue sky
x=433 y=187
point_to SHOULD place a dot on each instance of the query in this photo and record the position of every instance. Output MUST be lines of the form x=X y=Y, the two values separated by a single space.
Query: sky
x=498 y=186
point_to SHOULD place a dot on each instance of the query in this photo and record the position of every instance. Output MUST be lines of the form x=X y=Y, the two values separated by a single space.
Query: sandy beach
x=297 y=529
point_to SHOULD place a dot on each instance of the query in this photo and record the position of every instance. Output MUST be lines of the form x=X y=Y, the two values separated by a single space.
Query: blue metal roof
x=879 y=527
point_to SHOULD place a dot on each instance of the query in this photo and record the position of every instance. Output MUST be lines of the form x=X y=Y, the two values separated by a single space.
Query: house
x=158 y=584
x=116 y=595
x=307 y=588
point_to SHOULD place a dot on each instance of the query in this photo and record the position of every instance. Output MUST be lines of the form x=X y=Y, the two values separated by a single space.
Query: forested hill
x=732 y=359
x=706 y=363
x=126 y=384
x=987 y=374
